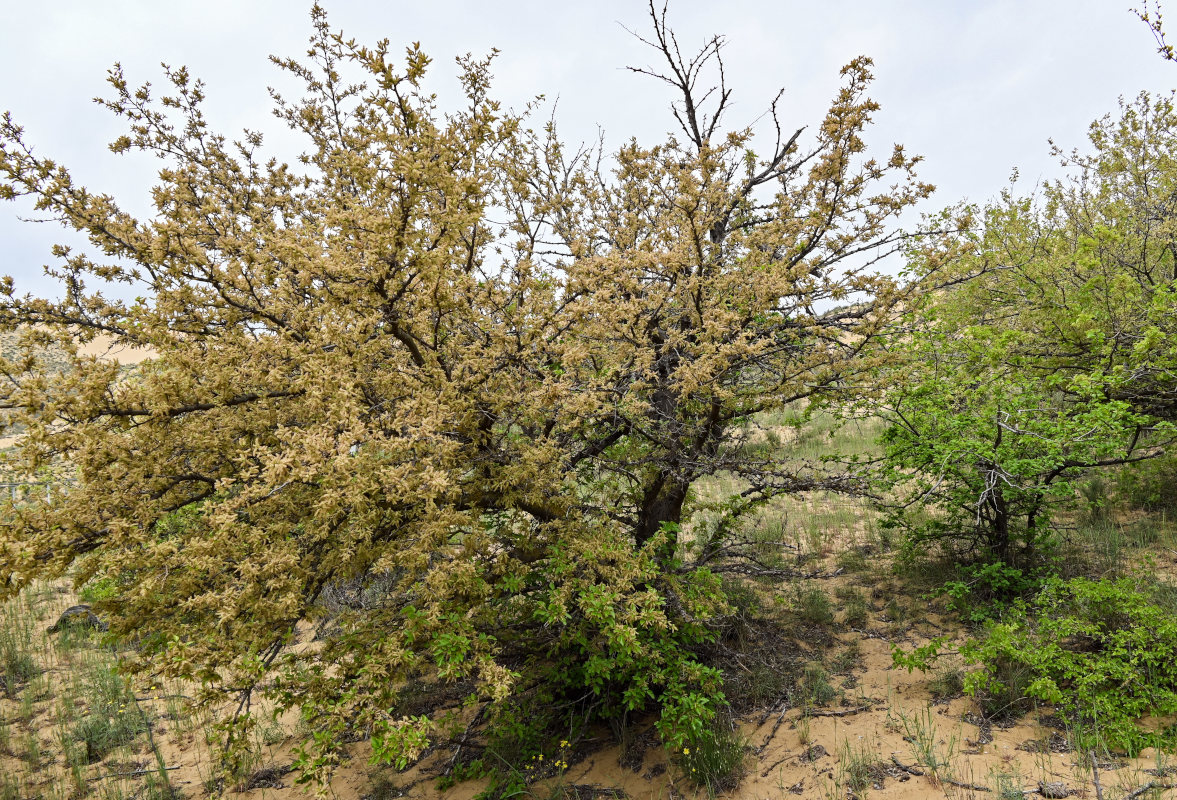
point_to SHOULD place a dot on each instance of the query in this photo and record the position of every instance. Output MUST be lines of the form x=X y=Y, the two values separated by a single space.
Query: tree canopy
x=1057 y=357
x=447 y=366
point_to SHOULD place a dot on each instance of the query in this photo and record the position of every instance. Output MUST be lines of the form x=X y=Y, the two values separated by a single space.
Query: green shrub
x=98 y=589
x=1101 y=650
x=984 y=590
x=1151 y=484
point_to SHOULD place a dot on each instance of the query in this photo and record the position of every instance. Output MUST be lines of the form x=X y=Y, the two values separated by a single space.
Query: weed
x=847 y=659
x=157 y=787
x=814 y=606
x=858 y=769
x=32 y=751
x=27 y=709
x=17 y=665
x=113 y=720
x=852 y=560
x=920 y=730
x=383 y=787
x=815 y=685
x=854 y=605
x=10 y=788
x=1095 y=493
x=759 y=685
x=715 y=760
x=803 y=733
x=1006 y=785
x=947 y=682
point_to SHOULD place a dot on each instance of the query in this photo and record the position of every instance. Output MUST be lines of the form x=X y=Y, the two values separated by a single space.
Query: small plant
x=847 y=659
x=896 y=612
x=947 y=682
x=814 y=606
x=32 y=751
x=10 y=788
x=113 y=719
x=815 y=686
x=854 y=605
x=1006 y=785
x=1095 y=493
x=17 y=665
x=715 y=760
x=852 y=560
x=920 y=730
x=383 y=787
x=858 y=769
x=803 y=733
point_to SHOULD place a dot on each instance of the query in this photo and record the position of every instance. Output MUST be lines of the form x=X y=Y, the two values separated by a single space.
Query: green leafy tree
x=1055 y=355
x=447 y=369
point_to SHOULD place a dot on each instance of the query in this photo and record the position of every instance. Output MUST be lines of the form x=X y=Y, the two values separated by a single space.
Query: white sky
x=975 y=87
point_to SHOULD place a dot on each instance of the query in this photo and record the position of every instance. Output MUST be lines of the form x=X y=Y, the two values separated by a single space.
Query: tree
x=448 y=367
x=1058 y=357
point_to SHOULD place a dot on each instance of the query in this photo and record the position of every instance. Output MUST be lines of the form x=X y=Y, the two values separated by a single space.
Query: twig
x=465 y=737
x=845 y=712
x=1095 y=775
x=962 y=785
x=776 y=726
x=134 y=774
x=1132 y=795
x=161 y=697
x=773 y=766
x=912 y=770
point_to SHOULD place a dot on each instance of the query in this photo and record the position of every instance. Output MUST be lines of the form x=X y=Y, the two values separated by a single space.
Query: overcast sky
x=976 y=87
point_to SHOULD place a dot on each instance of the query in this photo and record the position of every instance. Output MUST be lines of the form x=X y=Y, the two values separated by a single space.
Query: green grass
x=815 y=687
x=853 y=604
x=714 y=761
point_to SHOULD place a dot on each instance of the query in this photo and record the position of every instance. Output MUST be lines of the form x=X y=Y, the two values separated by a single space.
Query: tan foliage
x=445 y=352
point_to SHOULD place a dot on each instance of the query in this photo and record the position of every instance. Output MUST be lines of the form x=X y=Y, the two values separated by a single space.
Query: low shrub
x=1103 y=651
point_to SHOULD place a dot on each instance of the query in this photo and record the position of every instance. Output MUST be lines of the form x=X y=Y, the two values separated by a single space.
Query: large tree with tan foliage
x=445 y=366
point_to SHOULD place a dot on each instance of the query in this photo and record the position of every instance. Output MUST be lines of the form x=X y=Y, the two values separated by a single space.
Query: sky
x=977 y=87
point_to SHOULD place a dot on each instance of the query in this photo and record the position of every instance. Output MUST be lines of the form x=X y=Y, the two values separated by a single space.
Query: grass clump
x=854 y=605
x=947 y=682
x=714 y=760
x=858 y=770
x=17 y=665
x=815 y=687
x=10 y=788
x=814 y=606
x=852 y=560
x=847 y=659
x=113 y=719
